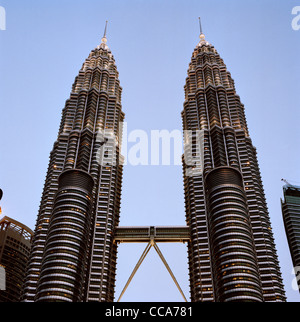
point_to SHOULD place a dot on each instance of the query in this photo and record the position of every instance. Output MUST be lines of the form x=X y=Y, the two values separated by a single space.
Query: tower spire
x=200 y=26
x=104 y=39
x=202 y=36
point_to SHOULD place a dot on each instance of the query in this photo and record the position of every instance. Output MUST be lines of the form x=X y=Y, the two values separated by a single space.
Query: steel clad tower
x=232 y=255
x=73 y=255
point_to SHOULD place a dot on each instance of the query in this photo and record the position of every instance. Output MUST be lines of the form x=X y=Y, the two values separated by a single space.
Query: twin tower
x=231 y=250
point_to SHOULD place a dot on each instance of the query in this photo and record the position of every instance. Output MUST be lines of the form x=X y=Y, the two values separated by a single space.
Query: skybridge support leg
x=146 y=251
x=168 y=268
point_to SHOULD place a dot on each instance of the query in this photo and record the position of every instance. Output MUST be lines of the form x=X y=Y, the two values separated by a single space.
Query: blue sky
x=41 y=52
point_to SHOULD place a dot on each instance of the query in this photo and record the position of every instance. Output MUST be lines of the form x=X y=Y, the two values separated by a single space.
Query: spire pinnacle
x=103 y=44
x=104 y=39
x=202 y=37
x=202 y=42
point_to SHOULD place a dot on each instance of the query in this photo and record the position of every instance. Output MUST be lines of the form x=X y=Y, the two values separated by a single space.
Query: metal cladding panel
x=223 y=175
x=76 y=178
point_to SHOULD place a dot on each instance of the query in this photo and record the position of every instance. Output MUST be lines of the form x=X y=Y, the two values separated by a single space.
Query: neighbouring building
x=15 y=244
x=290 y=205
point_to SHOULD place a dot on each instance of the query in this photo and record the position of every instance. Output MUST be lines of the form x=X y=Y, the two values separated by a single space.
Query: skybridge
x=167 y=234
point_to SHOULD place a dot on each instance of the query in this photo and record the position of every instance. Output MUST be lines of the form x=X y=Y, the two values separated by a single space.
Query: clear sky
x=41 y=52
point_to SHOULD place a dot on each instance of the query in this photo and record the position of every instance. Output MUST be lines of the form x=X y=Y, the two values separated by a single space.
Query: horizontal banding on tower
x=234 y=264
x=64 y=262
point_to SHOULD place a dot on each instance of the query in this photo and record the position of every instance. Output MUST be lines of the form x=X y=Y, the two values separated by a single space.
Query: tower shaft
x=232 y=255
x=88 y=145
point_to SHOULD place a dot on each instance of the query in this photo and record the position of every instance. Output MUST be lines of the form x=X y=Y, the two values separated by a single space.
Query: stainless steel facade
x=90 y=119
x=232 y=255
x=66 y=251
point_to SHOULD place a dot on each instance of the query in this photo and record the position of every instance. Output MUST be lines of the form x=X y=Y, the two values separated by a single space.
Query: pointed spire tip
x=104 y=39
x=105 y=30
x=200 y=26
x=202 y=36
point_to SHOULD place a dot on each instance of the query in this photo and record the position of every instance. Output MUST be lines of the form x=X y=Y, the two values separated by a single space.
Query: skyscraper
x=15 y=243
x=73 y=255
x=290 y=206
x=232 y=255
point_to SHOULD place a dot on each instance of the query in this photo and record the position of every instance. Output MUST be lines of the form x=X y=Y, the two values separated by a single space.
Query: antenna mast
x=201 y=33
x=105 y=30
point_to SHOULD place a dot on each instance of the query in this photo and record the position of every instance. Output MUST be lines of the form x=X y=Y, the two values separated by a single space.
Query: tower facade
x=232 y=255
x=73 y=255
x=290 y=206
